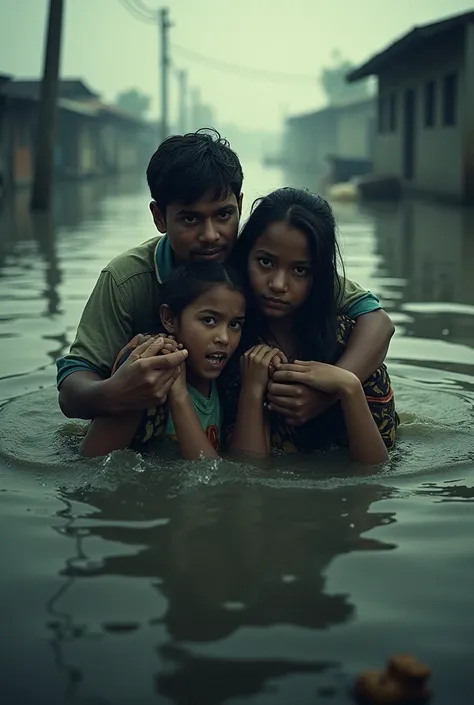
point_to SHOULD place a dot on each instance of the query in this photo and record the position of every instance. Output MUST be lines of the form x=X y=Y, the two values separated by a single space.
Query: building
x=425 y=134
x=339 y=134
x=17 y=124
x=125 y=142
x=93 y=139
x=3 y=139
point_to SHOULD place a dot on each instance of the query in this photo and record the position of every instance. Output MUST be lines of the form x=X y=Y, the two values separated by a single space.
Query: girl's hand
x=170 y=345
x=179 y=389
x=279 y=359
x=318 y=375
x=255 y=367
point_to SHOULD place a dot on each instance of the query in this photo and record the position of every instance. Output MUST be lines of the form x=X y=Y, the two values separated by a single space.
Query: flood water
x=130 y=582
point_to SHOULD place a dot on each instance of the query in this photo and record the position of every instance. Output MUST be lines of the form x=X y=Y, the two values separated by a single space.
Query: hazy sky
x=111 y=50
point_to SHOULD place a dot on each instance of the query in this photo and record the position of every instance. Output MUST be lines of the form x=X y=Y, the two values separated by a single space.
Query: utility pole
x=196 y=108
x=47 y=113
x=164 y=25
x=183 y=89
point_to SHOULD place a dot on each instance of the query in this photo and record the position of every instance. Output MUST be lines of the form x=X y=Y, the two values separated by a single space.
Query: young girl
x=203 y=308
x=288 y=250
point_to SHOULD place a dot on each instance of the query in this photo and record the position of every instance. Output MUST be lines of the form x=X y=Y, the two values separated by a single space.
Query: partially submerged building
x=92 y=138
x=339 y=134
x=425 y=121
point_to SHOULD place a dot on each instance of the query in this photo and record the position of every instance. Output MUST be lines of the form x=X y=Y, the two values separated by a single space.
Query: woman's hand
x=319 y=376
x=256 y=367
x=366 y=445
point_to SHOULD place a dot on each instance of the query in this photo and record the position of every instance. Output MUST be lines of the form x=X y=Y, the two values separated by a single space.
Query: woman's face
x=280 y=270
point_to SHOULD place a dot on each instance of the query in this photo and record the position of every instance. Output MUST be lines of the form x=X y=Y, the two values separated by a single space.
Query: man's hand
x=145 y=377
x=298 y=403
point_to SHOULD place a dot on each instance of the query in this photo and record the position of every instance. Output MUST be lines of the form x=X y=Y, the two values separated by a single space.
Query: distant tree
x=333 y=81
x=133 y=102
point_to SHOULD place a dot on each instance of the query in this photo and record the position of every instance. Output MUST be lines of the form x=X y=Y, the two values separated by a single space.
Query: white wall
x=353 y=135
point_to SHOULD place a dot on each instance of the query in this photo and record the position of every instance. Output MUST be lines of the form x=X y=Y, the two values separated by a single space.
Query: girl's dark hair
x=189 y=281
x=315 y=320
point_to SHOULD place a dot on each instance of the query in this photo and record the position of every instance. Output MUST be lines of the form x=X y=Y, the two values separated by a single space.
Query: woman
x=288 y=252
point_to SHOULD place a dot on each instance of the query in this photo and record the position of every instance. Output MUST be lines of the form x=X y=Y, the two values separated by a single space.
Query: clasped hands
x=298 y=391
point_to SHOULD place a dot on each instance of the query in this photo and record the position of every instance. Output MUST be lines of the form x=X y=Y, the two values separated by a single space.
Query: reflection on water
x=221 y=560
x=214 y=582
x=429 y=248
x=48 y=265
x=234 y=590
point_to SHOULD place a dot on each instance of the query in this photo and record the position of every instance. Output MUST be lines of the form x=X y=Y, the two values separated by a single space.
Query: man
x=195 y=183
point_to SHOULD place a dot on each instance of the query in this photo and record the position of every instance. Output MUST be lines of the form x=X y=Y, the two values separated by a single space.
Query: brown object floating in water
x=402 y=683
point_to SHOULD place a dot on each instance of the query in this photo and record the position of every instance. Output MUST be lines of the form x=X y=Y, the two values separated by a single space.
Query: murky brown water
x=127 y=582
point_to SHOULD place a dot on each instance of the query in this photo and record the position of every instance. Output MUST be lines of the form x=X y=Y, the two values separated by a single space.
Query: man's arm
x=83 y=395
x=368 y=344
x=86 y=389
x=365 y=351
x=112 y=432
x=108 y=433
x=106 y=325
x=143 y=380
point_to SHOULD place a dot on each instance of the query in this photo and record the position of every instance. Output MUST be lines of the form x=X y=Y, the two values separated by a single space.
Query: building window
x=381 y=114
x=392 y=112
x=450 y=98
x=430 y=104
x=22 y=134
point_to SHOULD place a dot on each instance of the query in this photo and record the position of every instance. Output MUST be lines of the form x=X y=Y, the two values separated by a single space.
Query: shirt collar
x=164 y=259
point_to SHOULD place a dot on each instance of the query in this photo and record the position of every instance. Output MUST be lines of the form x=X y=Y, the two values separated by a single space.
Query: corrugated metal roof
x=68 y=88
x=79 y=107
x=336 y=107
x=410 y=41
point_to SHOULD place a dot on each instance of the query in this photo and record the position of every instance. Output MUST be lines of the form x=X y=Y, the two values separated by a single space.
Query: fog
x=111 y=49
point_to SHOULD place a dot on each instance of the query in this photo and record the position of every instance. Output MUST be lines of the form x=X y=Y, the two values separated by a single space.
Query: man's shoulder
x=134 y=262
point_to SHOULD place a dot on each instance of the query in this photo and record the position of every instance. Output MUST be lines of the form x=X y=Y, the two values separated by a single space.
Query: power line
x=144 y=8
x=138 y=11
x=248 y=71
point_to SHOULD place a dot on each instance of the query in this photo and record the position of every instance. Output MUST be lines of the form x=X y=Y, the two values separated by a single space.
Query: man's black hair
x=185 y=167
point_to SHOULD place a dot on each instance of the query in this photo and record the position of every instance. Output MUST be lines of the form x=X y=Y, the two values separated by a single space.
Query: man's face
x=204 y=231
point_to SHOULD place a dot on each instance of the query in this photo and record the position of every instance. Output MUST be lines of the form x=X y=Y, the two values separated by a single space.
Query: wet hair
x=312 y=215
x=190 y=281
x=186 y=167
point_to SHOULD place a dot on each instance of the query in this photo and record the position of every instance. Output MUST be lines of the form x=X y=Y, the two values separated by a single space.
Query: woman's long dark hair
x=315 y=320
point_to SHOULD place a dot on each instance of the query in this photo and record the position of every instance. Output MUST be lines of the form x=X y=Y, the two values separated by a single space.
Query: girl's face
x=210 y=329
x=280 y=270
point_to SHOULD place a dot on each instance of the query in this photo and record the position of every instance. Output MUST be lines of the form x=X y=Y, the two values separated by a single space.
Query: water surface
x=127 y=580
